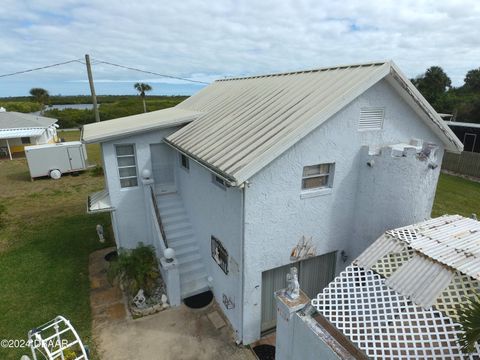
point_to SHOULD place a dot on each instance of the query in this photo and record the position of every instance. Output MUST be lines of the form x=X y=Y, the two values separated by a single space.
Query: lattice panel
x=383 y=323
x=461 y=288
x=387 y=265
x=406 y=234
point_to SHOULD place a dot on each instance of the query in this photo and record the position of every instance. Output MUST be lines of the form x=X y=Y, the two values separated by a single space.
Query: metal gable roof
x=248 y=122
x=126 y=126
x=16 y=120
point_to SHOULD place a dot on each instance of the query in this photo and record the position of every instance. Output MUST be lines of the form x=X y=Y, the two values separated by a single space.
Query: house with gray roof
x=18 y=130
x=251 y=175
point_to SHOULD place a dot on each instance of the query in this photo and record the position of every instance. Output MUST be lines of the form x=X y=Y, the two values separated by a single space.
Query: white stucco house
x=18 y=130
x=251 y=175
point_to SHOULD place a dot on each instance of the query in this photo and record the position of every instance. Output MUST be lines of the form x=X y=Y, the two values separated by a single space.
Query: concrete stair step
x=192 y=267
x=172 y=228
x=182 y=242
x=174 y=235
x=175 y=218
x=183 y=260
x=186 y=250
x=194 y=287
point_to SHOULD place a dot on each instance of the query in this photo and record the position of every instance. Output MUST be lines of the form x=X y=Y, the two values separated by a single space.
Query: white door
x=76 y=158
x=313 y=275
x=163 y=170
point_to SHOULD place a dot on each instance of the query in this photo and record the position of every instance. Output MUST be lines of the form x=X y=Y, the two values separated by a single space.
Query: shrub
x=469 y=318
x=136 y=269
x=97 y=170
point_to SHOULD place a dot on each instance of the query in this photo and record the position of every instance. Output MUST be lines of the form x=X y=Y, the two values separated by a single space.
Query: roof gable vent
x=371 y=118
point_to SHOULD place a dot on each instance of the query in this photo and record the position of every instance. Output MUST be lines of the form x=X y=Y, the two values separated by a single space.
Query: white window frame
x=320 y=190
x=120 y=178
x=187 y=167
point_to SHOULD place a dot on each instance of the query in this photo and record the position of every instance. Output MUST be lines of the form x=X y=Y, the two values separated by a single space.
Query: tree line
x=462 y=102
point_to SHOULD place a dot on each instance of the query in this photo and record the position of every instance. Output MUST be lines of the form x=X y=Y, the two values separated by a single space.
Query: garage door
x=313 y=275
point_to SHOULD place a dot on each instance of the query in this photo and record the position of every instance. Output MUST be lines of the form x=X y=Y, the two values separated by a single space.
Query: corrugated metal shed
x=248 y=122
x=129 y=125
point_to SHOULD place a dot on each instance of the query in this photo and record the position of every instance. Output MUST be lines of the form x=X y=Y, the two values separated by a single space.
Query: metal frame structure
x=53 y=338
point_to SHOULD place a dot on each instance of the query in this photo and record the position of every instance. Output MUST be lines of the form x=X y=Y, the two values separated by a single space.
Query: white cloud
x=210 y=39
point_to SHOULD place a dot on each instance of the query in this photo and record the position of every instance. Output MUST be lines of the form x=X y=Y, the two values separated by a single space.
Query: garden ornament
x=139 y=299
x=293 y=287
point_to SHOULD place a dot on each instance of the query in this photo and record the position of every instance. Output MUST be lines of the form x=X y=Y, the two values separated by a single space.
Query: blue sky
x=205 y=40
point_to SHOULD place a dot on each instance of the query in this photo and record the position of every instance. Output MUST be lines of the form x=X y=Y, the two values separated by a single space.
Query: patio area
x=174 y=333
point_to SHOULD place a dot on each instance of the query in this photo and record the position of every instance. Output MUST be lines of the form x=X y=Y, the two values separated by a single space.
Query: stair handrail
x=158 y=217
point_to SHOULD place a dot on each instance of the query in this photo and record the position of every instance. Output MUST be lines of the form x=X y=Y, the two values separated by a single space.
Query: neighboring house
x=398 y=300
x=253 y=174
x=468 y=133
x=18 y=130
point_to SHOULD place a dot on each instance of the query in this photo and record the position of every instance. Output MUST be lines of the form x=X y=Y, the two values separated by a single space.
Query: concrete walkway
x=176 y=333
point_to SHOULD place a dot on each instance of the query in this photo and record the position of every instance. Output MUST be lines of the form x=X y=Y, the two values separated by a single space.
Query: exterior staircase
x=181 y=237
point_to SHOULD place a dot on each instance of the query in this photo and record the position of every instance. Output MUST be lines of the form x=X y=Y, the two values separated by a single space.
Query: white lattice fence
x=383 y=323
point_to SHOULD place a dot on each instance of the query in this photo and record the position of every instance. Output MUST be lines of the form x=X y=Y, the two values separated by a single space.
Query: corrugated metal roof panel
x=431 y=278
x=18 y=133
x=129 y=125
x=248 y=122
x=451 y=240
x=16 y=120
x=381 y=247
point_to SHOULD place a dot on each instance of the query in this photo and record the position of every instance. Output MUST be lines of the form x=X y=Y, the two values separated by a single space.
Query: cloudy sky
x=207 y=39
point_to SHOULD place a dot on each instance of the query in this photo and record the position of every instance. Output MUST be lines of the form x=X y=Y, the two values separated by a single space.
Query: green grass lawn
x=456 y=195
x=44 y=247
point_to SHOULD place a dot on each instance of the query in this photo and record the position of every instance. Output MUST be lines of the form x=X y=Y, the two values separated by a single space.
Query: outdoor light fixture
x=146 y=173
x=169 y=254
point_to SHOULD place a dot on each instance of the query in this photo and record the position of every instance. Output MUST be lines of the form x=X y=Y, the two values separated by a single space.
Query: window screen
x=317 y=176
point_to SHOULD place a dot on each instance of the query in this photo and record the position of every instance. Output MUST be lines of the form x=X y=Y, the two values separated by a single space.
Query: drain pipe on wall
x=243 y=187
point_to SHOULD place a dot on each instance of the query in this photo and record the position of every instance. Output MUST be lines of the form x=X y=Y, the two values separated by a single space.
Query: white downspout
x=9 y=152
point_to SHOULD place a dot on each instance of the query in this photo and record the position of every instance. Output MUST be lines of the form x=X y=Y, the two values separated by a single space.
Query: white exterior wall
x=130 y=217
x=216 y=211
x=276 y=217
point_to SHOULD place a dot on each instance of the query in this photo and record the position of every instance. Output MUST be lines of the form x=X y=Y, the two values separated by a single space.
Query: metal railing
x=158 y=217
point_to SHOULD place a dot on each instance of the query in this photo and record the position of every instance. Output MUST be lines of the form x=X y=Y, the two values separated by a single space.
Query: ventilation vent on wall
x=371 y=118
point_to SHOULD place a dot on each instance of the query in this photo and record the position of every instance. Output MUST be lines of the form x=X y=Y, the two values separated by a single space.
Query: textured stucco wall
x=130 y=214
x=216 y=211
x=276 y=216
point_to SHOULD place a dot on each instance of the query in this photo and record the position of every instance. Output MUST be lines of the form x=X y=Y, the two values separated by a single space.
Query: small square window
x=317 y=176
x=219 y=254
x=26 y=140
x=184 y=161
x=217 y=180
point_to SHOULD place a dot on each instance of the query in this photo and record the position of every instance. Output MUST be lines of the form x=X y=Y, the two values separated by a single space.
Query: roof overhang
x=99 y=202
x=19 y=133
x=130 y=125
x=422 y=107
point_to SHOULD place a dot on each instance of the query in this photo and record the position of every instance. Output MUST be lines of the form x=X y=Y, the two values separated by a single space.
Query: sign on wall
x=219 y=254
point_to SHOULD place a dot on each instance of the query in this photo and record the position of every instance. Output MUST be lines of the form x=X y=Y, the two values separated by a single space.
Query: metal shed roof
x=15 y=120
x=248 y=122
x=129 y=125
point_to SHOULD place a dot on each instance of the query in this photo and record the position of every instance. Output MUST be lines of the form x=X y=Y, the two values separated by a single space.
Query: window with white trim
x=127 y=165
x=318 y=176
x=184 y=162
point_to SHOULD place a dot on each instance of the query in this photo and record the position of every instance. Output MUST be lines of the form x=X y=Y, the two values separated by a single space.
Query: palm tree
x=41 y=96
x=142 y=88
x=469 y=318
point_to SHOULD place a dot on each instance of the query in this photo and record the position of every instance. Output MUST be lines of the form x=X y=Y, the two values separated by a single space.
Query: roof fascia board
x=114 y=136
x=416 y=100
x=263 y=160
x=231 y=181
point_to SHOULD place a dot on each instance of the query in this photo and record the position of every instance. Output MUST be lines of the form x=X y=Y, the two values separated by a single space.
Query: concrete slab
x=216 y=320
x=176 y=333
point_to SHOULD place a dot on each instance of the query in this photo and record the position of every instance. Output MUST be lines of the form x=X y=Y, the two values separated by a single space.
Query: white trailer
x=56 y=159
